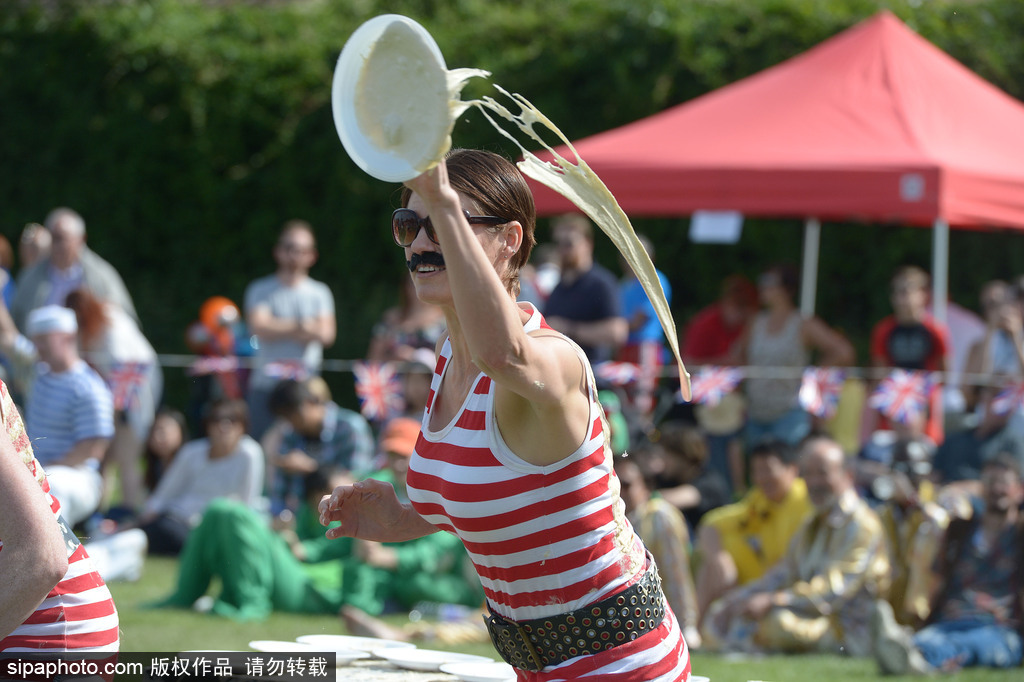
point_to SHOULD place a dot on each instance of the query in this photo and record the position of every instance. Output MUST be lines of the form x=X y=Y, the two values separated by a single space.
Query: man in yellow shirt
x=739 y=542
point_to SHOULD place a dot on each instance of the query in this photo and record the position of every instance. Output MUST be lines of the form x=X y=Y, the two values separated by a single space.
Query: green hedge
x=186 y=133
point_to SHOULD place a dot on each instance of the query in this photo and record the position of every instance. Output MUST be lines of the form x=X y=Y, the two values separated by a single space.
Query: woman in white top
x=227 y=463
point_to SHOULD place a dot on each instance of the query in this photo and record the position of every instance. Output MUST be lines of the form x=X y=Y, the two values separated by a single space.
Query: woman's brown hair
x=498 y=188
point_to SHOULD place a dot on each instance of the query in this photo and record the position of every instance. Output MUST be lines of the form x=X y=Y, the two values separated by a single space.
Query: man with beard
x=322 y=436
x=820 y=595
x=585 y=304
x=977 y=608
x=292 y=316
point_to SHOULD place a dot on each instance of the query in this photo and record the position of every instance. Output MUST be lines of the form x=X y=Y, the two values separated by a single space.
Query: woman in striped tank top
x=513 y=453
x=51 y=600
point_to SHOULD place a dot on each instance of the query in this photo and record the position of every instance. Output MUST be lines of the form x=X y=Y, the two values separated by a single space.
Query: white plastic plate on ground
x=481 y=672
x=391 y=98
x=341 y=656
x=348 y=642
x=426 y=659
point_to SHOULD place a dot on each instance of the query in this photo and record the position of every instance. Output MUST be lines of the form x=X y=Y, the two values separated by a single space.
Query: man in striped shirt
x=70 y=414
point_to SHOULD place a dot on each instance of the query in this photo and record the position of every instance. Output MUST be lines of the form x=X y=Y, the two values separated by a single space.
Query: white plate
x=426 y=659
x=495 y=671
x=341 y=656
x=416 y=128
x=351 y=643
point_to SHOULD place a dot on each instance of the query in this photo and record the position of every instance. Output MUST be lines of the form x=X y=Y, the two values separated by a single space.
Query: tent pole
x=940 y=269
x=809 y=276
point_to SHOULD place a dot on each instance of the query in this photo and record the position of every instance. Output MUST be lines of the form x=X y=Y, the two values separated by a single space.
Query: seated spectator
x=977 y=598
x=781 y=339
x=296 y=569
x=322 y=435
x=681 y=474
x=385 y=577
x=913 y=523
x=739 y=542
x=227 y=463
x=875 y=460
x=958 y=461
x=168 y=433
x=113 y=345
x=911 y=339
x=821 y=595
x=663 y=529
x=52 y=598
x=70 y=414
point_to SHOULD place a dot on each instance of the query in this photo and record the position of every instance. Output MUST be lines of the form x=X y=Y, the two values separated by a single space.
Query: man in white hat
x=69 y=415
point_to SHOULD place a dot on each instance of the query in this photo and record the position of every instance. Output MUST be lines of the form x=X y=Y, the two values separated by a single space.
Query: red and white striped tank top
x=544 y=539
x=78 y=614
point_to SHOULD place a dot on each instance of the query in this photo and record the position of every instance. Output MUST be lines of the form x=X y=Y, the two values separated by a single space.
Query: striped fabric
x=67 y=407
x=543 y=539
x=78 y=614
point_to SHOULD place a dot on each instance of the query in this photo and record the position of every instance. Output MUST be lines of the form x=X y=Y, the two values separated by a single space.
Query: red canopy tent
x=875 y=123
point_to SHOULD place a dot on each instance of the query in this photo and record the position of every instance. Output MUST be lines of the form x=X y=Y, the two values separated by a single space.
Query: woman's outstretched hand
x=370 y=510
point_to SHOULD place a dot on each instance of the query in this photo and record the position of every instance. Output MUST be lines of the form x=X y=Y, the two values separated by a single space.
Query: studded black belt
x=624 y=616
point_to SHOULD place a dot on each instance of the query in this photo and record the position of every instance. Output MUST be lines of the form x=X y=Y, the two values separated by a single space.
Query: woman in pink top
x=513 y=455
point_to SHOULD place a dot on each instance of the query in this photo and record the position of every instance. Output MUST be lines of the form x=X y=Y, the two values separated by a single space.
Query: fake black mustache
x=426 y=258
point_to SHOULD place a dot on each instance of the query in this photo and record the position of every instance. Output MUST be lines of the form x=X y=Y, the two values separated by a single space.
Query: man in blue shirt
x=585 y=304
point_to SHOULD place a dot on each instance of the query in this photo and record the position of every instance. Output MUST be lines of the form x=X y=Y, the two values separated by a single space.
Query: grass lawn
x=169 y=630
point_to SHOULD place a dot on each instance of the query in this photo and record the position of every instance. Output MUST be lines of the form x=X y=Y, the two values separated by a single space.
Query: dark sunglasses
x=405 y=225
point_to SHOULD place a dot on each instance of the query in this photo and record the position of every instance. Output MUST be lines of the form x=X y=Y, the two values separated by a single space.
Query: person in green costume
x=383 y=577
x=299 y=570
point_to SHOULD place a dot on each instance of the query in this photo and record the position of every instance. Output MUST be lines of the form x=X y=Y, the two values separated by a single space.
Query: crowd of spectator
x=777 y=528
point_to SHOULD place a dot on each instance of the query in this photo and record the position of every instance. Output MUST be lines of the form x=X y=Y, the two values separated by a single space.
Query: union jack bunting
x=213 y=364
x=617 y=373
x=1010 y=399
x=378 y=389
x=903 y=395
x=819 y=390
x=714 y=383
x=286 y=370
x=126 y=378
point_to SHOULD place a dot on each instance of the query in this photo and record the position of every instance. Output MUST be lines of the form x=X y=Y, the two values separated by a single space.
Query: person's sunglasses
x=405 y=225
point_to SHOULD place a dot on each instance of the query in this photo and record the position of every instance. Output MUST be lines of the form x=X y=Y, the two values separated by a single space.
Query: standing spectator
x=645 y=342
x=34 y=245
x=977 y=610
x=321 y=436
x=115 y=347
x=779 y=342
x=1001 y=350
x=70 y=414
x=820 y=596
x=227 y=463
x=584 y=305
x=911 y=339
x=411 y=326
x=71 y=265
x=292 y=315
x=709 y=340
x=712 y=332
x=739 y=542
